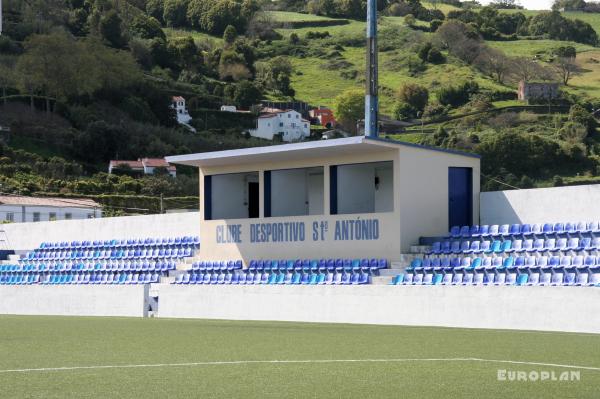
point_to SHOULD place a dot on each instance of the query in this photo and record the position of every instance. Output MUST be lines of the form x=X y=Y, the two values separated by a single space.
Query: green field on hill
x=76 y=357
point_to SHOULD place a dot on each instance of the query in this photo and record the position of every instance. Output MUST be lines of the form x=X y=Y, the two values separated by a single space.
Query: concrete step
x=167 y=279
x=391 y=272
x=419 y=249
x=14 y=258
x=381 y=280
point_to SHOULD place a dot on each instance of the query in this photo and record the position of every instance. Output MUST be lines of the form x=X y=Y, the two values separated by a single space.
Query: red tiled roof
x=178 y=98
x=157 y=163
x=51 y=201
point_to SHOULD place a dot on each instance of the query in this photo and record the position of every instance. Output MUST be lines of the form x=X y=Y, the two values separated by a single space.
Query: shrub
x=414 y=95
x=456 y=96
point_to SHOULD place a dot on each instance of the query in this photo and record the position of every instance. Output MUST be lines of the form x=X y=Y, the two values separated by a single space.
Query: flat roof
x=48 y=201
x=299 y=151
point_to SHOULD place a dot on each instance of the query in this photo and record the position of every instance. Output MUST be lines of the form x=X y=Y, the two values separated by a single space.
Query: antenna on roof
x=371 y=100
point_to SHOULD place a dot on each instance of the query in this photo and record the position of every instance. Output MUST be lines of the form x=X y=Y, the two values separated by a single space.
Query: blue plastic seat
x=455 y=231
x=484 y=230
x=474 y=247
x=484 y=247
x=548 y=229
x=494 y=230
x=550 y=244
x=436 y=248
x=522 y=279
x=495 y=247
x=516 y=246
x=561 y=245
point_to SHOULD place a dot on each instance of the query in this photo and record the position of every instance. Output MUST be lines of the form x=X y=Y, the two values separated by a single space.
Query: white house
x=19 y=209
x=183 y=116
x=289 y=124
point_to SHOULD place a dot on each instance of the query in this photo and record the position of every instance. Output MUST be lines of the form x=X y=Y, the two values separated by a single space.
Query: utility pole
x=0 y=17
x=371 y=100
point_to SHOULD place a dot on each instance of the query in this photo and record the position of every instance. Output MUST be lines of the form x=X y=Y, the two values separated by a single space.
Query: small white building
x=20 y=209
x=229 y=108
x=288 y=124
x=183 y=116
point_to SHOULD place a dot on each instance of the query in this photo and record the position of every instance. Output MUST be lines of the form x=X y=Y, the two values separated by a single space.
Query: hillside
x=438 y=62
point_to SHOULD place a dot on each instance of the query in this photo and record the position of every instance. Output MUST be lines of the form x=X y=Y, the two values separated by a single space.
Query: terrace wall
x=574 y=309
x=75 y=300
x=27 y=236
x=541 y=205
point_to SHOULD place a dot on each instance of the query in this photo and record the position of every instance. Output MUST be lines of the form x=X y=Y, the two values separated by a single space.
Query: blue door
x=460 y=196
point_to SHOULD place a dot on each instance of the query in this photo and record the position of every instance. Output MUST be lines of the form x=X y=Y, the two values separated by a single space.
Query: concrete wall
x=575 y=309
x=557 y=204
x=74 y=300
x=316 y=192
x=289 y=192
x=21 y=214
x=423 y=189
x=27 y=236
x=230 y=195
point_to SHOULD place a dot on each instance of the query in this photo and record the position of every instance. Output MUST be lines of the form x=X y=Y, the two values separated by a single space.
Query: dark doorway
x=460 y=197
x=253 y=200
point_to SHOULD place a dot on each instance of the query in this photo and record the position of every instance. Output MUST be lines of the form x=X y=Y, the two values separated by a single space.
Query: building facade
x=183 y=116
x=288 y=125
x=324 y=116
x=20 y=209
x=538 y=91
x=355 y=197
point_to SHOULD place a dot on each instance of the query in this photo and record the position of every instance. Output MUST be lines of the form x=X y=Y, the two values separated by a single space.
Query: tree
x=579 y=114
x=494 y=63
x=564 y=63
x=350 y=108
x=460 y=40
x=222 y=14
x=246 y=94
x=156 y=9
x=195 y=11
x=232 y=65
x=52 y=65
x=6 y=80
x=110 y=29
x=230 y=34
x=410 y=20
x=414 y=95
x=175 y=13
x=404 y=111
x=527 y=70
x=147 y=27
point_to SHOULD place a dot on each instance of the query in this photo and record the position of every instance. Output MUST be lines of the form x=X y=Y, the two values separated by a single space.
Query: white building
x=19 y=209
x=355 y=197
x=183 y=116
x=229 y=108
x=288 y=124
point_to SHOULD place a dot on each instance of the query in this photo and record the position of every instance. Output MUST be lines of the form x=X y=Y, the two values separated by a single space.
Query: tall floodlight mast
x=0 y=17
x=371 y=100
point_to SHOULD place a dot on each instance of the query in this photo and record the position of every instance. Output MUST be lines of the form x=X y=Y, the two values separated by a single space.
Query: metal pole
x=371 y=100
x=0 y=17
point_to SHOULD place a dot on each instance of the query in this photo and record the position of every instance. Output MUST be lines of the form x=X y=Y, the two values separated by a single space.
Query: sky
x=532 y=4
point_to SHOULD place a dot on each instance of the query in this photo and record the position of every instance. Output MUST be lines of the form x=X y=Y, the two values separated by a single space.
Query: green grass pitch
x=52 y=342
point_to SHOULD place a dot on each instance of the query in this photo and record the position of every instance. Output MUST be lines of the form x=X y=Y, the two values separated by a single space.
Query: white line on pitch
x=242 y=362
